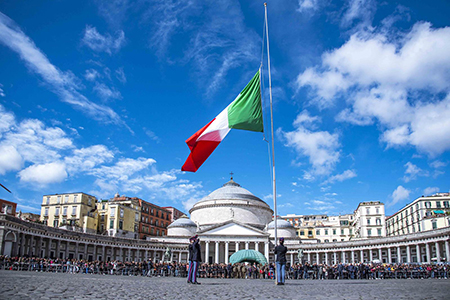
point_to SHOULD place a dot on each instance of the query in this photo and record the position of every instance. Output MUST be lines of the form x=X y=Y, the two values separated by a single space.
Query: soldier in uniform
x=195 y=258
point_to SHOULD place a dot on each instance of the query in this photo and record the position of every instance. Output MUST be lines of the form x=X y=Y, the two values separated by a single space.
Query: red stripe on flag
x=199 y=153
x=192 y=141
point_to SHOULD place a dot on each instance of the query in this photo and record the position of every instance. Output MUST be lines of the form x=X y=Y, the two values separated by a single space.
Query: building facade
x=367 y=221
x=76 y=211
x=175 y=214
x=8 y=207
x=119 y=217
x=423 y=214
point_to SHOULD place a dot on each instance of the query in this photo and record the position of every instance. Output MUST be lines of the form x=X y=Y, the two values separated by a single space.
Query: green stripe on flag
x=246 y=112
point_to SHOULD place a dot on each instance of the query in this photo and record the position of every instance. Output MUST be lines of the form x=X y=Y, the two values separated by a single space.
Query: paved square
x=32 y=285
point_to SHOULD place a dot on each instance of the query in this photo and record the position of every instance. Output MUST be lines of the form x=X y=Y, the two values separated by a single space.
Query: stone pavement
x=32 y=285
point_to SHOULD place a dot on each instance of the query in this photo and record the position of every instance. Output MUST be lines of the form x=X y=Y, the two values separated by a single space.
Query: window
x=66 y=199
x=157 y=232
x=342 y=232
x=65 y=211
x=446 y=204
x=326 y=231
x=75 y=199
x=368 y=221
x=427 y=204
x=89 y=201
x=434 y=224
x=310 y=232
x=120 y=224
x=111 y=223
x=318 y=232
x=156 y=222
x=74 y=210
x=58 y=199
x=113 y=212
x=55 y=223
x=377 y=210
x=350 y=231
x=368 y=211
x=438 y=204
x=326 y=241
x=102 y=218
x=378 y=221
x=302 y=232
x=48 y=200
x=334 y=231
x=151 y=212
x=379 y=231
x=136 y=217
x=121 y=212
x=369 y=232
x=57 y=211
x=46 y=212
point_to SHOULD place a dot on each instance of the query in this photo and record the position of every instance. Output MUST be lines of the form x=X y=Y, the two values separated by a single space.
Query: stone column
x=139 y=259
x=94 y=255
x=30 y=247
x=207 y=252
x=129 y=254
x=292 y=259
x=370 y=255
x=361 y=255
x=343 y=257
x=66 y=253
x=317 y=257
x=326 y=258
x=353 y=256
x=427 y=248
x=85 y=251
x=256 y=246
x=146 y=254
x=380 y=255
x=419 y=256
x=22 y=245
x=438 y=252
x=179 y=256
x=389 y=255
x=39 y=247
x=104 y=253
x=58 y=248
x=226 y=252
x=334 y=258
x=309 y=257
x=447 y=251
x=76 y=250
x=216 y=252
x=266 y=250
x=237 y=246
x=154 y=255
x=399 y=255
x=246 y=245
x=408 y=254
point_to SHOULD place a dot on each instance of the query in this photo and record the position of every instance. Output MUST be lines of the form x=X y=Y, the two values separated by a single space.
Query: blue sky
x=100 y=96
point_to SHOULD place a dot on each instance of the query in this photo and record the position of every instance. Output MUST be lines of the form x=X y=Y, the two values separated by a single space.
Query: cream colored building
x=119 y=217
x=75 y=211
x=423 y=214
x=367 y=221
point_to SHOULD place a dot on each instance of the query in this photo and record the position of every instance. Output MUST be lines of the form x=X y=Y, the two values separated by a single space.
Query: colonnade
x=217 y=251
x=418 y=252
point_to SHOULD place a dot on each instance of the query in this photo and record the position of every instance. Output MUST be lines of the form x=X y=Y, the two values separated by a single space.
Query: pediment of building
x=233 y=228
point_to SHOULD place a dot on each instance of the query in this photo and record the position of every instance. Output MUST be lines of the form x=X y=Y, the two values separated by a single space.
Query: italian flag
x=244 y=113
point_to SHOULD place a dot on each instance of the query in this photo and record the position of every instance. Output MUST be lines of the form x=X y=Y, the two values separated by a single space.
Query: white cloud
x=2 y=92
x=412 y=172
x=63 y=84
x=103 y=43
x=347 y=174
x=10 y=159
x=383 y=78
x=361 y=10
x=321 y=147
x=307 y=5
x=44 y=174
x=120 y=75
x=430 y=191
x=91 y=75
x=399 y=195
x=438 y=164
x=106 y=93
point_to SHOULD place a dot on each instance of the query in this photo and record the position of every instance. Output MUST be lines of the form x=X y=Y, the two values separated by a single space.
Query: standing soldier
x=280 y=254
x=195 y=257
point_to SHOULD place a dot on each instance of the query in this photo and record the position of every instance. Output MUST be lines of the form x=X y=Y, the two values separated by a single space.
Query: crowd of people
x=238 y=270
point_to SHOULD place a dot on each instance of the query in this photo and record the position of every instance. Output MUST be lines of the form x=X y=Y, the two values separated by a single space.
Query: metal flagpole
x=271 y=127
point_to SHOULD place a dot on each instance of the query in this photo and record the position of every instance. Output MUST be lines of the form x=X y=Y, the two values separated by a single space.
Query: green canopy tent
x=248 y=256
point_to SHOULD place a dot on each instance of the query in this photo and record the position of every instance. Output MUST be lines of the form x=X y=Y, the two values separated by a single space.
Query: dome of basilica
x=231 y=202
x=284 y=229
x=182 y=227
